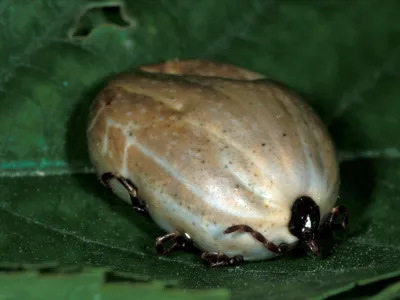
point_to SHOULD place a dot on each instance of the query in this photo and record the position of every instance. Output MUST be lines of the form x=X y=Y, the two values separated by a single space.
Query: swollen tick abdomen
x=221 y=156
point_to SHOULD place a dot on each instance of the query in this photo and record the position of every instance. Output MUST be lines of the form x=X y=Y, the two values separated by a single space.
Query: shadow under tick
x=358 y=177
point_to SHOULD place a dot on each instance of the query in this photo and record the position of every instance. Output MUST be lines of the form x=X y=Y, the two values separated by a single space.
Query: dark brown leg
x=259 y=237
x=179 y=242
x=219 y=259
x=330 y=223
x=137 y=203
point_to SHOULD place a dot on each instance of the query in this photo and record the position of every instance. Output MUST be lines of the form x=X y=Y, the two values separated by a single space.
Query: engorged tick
x=243 y=204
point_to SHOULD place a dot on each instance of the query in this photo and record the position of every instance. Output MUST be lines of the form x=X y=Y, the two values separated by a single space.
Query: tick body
x=236 y=163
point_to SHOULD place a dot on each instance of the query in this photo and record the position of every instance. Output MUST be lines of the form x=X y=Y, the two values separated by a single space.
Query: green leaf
x=391 y=292
x=342 y=56
x=52 y=283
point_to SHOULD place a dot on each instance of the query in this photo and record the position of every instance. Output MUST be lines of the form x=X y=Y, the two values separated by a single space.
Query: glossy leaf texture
x=343 y=57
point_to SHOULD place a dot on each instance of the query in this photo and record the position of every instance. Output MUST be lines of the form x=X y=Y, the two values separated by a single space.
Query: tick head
x=304 y=222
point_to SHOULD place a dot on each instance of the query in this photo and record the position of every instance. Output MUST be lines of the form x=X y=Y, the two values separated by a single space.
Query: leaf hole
x=101 y=15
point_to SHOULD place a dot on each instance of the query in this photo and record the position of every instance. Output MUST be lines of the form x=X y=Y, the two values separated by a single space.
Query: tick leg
x=137 y=203
x=259 y=237
x=219 y=259
x=179 y=242
x=330 y=223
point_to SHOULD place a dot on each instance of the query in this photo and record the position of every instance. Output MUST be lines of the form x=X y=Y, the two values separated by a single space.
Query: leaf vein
x=72 y=234
x=366 y=83
x=237 y=29
x=35 y=44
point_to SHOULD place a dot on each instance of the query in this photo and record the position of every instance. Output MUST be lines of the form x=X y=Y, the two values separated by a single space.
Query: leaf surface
x=342 y=56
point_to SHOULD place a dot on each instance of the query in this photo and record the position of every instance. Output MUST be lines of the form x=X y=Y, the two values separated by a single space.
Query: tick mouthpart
x=313 y=246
